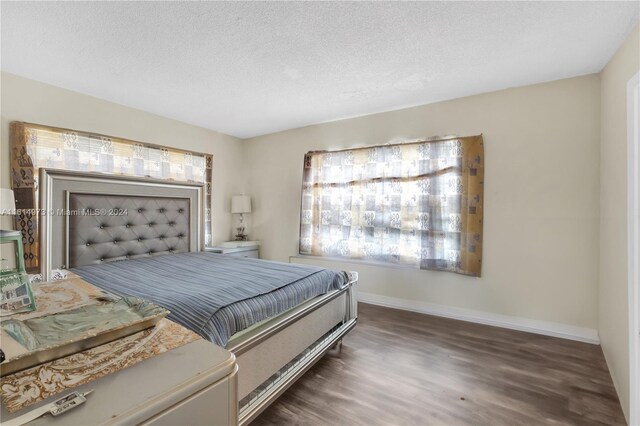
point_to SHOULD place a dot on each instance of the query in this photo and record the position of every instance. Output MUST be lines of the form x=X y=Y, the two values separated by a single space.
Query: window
x=416 y=204
x=35 y=147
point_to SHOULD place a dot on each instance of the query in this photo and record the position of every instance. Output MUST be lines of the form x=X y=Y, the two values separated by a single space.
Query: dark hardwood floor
x=404 y=368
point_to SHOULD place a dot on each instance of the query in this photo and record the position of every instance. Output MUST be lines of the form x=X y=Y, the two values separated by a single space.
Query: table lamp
x=241 y=204
x=15 y=289
x=7 y=234
x=7 y=208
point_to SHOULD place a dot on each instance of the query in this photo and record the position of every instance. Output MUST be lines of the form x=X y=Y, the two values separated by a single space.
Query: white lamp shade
x=7 y=201
x=240 y=204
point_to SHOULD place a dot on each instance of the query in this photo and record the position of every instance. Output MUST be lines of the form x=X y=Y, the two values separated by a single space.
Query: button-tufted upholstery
x=132 y=227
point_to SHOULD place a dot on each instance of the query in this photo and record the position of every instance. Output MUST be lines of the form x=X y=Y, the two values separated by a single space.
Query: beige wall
x=27 y=100
x=613 y=321
x=541 y=198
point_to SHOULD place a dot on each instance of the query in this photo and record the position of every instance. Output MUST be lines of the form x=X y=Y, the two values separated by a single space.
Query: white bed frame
x=271 y=355
x=274 y=355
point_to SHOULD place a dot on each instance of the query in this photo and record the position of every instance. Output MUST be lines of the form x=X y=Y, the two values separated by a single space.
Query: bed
x=144 y=237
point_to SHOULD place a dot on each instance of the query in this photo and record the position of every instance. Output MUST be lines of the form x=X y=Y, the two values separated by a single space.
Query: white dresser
x=195 y=384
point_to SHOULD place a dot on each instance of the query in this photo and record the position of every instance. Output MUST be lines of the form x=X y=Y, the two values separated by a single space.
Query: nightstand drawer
x=253 y=254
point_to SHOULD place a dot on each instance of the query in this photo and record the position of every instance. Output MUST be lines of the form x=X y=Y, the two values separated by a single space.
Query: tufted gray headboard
x=114 y=227
x=93 y=218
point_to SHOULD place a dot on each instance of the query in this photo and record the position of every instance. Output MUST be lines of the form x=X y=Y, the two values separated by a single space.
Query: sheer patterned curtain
x=36 y=146
x=416 y=203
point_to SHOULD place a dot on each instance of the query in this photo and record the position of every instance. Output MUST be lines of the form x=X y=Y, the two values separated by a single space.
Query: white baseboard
x=547 y=328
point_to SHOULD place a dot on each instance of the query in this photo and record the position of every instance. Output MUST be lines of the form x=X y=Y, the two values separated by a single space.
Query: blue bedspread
x=212 y=294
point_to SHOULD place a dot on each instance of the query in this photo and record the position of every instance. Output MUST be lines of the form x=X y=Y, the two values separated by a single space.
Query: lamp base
x=240 y=235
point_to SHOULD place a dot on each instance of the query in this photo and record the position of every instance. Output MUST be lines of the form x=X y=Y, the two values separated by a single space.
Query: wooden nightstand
x=249 y=249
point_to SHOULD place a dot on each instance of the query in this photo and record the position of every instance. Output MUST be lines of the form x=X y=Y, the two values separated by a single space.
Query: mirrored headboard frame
x=55 y=246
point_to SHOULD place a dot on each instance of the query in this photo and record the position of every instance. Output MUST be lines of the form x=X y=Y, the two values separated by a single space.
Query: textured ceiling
x=253 y=68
